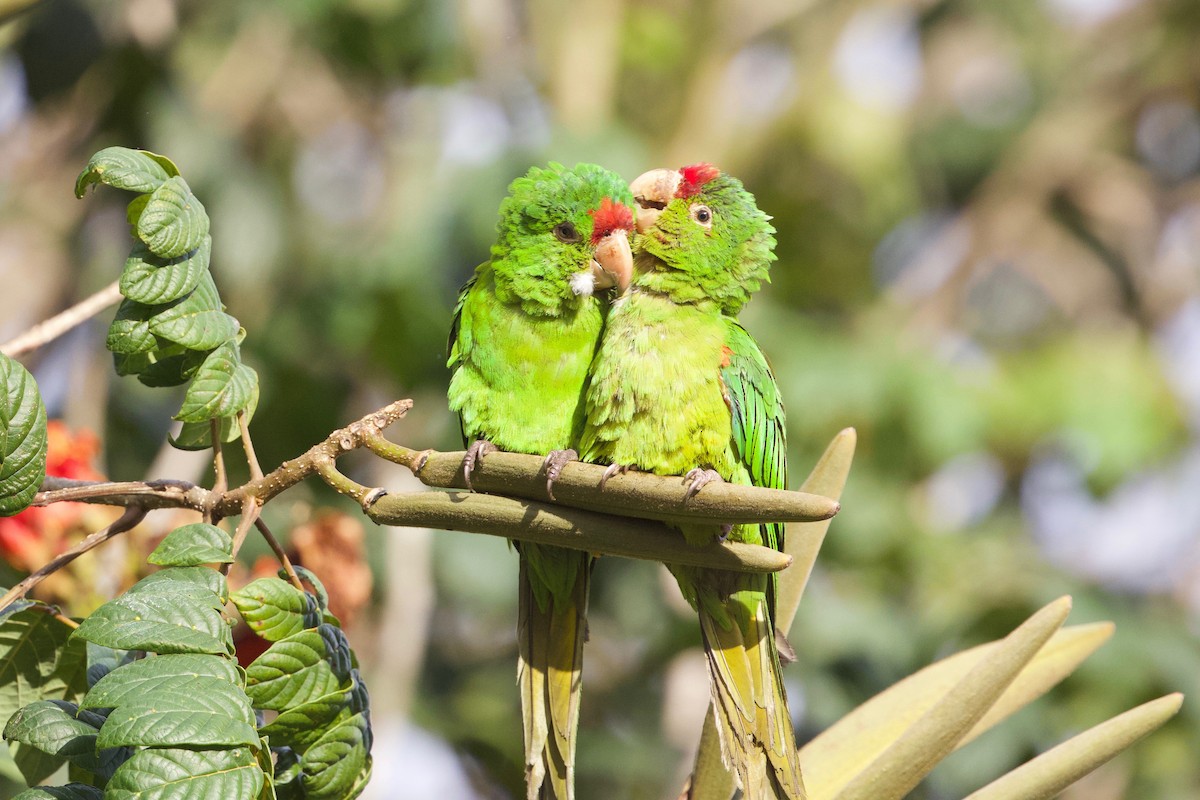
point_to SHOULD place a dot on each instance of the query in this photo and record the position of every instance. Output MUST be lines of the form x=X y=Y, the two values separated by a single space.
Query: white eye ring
x=701 y=214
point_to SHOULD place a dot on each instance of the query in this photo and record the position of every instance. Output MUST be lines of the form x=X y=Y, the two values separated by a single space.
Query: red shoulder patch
x=610 y=216
x=726 y=354
x=694 y=178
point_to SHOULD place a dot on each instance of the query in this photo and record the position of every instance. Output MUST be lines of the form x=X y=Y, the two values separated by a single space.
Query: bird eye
x=565 y=232
x=702 y=214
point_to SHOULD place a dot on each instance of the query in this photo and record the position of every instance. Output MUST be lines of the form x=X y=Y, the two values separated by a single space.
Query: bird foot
x=475 y=453
x=698 y=478
x=613 y=469
x=553 y=464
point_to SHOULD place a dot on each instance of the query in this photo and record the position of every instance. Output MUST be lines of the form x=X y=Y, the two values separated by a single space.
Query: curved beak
x=612 y=261
x=652 y=191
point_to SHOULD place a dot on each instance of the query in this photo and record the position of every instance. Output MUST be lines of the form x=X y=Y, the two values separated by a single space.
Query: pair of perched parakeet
x=662 y=379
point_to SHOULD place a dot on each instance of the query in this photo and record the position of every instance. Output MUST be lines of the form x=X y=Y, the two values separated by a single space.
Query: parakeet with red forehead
x=524 y=333
x=678 y=387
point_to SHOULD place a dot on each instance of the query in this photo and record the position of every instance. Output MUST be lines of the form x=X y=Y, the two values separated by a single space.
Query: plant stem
x=49 y=330
x=280 y=553
x=132 y=516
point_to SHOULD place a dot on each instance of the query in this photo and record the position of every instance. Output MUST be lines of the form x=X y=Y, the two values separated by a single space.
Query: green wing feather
x=758 y=434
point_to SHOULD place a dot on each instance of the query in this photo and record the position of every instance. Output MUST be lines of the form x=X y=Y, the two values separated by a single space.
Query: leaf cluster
x=146 y=696
x=171 y=328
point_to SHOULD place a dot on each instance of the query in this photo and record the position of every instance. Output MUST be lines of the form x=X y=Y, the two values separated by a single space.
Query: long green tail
x=551 y=630
x=753 y=721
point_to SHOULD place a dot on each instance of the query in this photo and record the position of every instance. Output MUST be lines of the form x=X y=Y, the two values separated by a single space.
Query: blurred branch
x=12 y=8
x=132 y=516
x=56 y=326
x=572 y=522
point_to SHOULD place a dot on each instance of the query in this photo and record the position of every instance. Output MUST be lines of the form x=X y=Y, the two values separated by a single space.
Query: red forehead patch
x=694 y=178
x=610 y=216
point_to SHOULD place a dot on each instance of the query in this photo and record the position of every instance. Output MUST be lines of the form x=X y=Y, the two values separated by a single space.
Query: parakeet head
x=563 y=234
x=700 y=236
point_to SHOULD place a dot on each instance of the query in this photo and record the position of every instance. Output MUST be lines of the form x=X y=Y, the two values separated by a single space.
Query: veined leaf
x=299 y=669
x=275 y=610
x=166 y=774
x=197 y=321
x=152 y=280
x=198 y=435
x=162 y=617
x=193 y=545
x=173 y=222
x=170 y=365
x=129 y=333
x=72 y=791
x=222 y=386
x=180 y=711
x=57 y=728
x=332 y=767
x=301 y=726
x=204 y=577
x=22 y=437
x=122 y=168
x=144 y=676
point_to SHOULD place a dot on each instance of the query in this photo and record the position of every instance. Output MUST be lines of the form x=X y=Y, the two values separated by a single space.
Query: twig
x=220 y=479
x=247 y=445
x=280 y=553
x=56 y=326
x=132 y=516
x=568 y=527
x=251 y=508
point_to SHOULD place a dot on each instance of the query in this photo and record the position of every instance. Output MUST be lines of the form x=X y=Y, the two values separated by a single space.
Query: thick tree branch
x=543 y=523
x=615 y=520
x=636 y=494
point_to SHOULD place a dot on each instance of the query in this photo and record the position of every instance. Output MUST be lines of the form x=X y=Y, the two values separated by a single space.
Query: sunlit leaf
x=193 y=545
x=275 y=610
x=122 y=168
x=164 y=774
x=162 y=617
x=333 y=765
x=221 y=387
x=22 y=437
x=173 y=222
x=153 y=280
x=299 y=669
x=197 y=321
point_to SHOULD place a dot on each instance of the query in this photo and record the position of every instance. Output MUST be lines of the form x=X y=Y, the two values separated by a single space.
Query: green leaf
x=129 y=332
x=38 y=659
x=153 y=280
x=193 y=545
x=167 y=774
x=57 y=728
x=173 y=222
x=133 y=212
x=22 y=438
x=198 y=435
x=162 y=617
x=205 y=577
x=275 y=610
x=300 y=669
x=197 y=321
x=170 y=366
x=336 y=767
x=144 y=676
x=223 y=386
x=72 y=791
x=122 y=168
x=301 y=726
x=179 y=711
x=306 y=574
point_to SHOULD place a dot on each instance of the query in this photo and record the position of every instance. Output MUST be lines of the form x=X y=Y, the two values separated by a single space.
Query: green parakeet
x=678 y=387
x=525 y=331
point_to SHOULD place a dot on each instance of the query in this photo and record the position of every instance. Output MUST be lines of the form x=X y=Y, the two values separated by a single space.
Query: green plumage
x=678 y=384
x=520 y=348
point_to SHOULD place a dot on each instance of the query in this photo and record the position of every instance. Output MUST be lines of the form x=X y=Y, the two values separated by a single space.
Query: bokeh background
x=989 y=264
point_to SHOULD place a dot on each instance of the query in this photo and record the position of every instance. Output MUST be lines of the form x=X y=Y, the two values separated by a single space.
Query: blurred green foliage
x=989 y=228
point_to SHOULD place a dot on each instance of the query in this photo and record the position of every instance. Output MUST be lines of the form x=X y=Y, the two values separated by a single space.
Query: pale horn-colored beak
x=652 y=191
x=612 y=261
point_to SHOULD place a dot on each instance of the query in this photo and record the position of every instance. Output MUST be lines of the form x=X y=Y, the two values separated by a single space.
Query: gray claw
x=553 y=464
x=698 y=478
x=613 y=469
x=475 y=453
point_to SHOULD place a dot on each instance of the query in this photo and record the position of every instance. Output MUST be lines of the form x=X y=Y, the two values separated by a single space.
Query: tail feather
x=755 y=728
x=551 y=630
